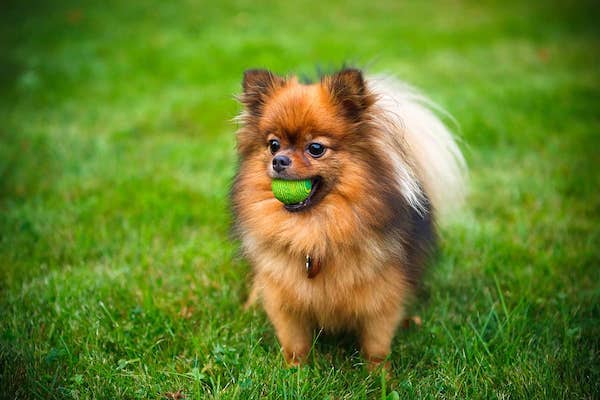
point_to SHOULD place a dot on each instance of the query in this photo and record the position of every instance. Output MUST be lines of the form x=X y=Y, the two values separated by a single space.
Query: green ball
x=291 y=192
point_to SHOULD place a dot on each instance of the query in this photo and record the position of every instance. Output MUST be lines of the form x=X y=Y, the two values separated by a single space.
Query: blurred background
x=118 y=277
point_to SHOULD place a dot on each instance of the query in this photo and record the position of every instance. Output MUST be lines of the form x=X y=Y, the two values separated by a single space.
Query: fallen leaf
x=175 y=395
x=416 y=320
x=186 y=312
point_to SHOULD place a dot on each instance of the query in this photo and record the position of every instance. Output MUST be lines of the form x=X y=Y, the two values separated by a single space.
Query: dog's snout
x=281 y=162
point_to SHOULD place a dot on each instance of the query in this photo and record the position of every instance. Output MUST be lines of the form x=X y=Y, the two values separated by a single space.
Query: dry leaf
x=175 y=395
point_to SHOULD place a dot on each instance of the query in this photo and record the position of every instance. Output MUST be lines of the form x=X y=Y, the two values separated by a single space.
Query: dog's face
x=322 y=132
x=296 y=131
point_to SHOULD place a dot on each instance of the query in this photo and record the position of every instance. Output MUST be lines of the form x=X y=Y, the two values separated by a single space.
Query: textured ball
x=291 y=192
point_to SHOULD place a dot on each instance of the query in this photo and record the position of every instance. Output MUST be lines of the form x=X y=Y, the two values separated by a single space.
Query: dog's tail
x=434 y=162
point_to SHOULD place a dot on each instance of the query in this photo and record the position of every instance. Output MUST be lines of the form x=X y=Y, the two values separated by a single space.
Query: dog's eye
x=274 y=146
x=316 y=149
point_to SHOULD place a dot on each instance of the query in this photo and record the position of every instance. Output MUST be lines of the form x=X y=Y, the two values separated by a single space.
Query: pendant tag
x=312 y=269
x=308 y=264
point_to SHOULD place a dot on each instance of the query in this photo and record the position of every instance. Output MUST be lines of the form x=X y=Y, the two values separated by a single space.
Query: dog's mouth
x=313 y=197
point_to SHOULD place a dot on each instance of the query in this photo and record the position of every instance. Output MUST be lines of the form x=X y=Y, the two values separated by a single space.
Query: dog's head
x=315 y=131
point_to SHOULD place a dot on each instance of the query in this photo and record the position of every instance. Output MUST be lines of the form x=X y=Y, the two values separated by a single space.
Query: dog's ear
x=258 y=85
x=347 y=88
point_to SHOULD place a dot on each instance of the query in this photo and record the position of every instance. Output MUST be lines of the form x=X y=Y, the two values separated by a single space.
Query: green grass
x=117 y=275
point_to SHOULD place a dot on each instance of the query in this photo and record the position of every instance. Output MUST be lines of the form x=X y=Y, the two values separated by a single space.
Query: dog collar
x=312 y=268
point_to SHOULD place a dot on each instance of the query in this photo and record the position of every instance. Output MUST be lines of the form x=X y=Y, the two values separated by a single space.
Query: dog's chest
x=340 y=295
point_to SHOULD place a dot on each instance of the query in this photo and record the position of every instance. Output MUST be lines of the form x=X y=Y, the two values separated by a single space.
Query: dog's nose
x=281 y=162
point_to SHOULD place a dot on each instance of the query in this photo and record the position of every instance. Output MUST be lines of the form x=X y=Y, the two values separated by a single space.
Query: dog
x=382 y=169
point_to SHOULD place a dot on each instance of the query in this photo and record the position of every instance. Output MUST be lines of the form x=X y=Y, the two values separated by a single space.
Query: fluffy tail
x=434 y=158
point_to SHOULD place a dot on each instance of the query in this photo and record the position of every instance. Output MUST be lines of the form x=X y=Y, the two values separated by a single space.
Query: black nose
x=281 y=162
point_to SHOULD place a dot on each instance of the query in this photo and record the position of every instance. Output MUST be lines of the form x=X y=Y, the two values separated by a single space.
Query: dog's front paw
x=296 y=357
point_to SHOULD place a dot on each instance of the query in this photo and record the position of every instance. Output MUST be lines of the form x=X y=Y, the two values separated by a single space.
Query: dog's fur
x=390 y=167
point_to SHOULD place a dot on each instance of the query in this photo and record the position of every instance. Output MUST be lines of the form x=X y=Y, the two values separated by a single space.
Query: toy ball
x=291 y=191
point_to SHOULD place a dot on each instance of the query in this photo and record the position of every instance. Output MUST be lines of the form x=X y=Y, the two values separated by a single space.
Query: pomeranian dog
x=381 y=169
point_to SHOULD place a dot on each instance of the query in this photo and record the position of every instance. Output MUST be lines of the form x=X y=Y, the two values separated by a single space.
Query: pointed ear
x=258 y=85
x=347 y=88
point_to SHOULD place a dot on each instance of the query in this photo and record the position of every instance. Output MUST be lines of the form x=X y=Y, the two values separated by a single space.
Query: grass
x=117 y=275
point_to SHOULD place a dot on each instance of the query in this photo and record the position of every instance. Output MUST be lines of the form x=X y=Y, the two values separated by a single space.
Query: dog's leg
x=376 y=336
x=293 y=331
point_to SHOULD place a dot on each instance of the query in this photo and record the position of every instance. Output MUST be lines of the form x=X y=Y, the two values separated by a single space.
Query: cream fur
x=408 y=122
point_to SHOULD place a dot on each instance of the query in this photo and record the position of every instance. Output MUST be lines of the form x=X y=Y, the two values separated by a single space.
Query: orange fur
x=359 y=230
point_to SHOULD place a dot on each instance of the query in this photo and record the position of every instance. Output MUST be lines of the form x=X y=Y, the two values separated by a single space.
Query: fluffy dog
x=382 y=168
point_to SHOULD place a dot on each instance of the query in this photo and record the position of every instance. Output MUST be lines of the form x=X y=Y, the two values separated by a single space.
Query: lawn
x=118 y=277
